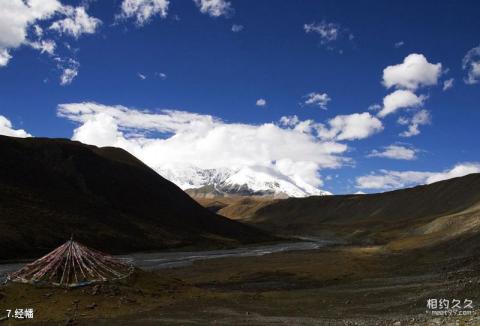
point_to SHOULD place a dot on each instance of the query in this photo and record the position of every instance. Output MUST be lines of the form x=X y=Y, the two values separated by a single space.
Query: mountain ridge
x=407 y=217
x=381 y=217
x=110 y=200
x=243 y=181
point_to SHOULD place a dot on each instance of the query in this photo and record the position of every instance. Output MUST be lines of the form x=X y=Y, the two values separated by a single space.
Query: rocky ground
x=330 y=286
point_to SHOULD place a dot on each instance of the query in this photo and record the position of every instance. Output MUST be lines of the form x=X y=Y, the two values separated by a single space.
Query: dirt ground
x=331 y=286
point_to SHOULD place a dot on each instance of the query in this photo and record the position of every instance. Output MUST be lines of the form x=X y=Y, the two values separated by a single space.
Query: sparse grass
x=363 y=284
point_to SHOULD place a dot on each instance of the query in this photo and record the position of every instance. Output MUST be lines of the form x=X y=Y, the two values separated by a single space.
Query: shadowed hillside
x=50 y=188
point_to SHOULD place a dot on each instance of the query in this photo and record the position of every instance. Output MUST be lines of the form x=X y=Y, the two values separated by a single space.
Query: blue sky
x=185 y=57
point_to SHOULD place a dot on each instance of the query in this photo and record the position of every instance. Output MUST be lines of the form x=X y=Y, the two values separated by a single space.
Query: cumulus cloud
x=400 y=99
x=214 y=8
x=4 y=57
x=387 y=179
x=395 y=152
x=422 y=117
x=407 y=77
x=317 y=99
x=6 y=129
x=350 y=127
x=141 y=76
x=16 y=16
x=341 y=127
x=204 y=141
x=143 y=10
x=261 y=102
x=458 y=170
x=471 y=63
x=414 y=72
x=76 y=23
x=447 y=84
x=237 y=28
x=289 y=121
x=399 y=44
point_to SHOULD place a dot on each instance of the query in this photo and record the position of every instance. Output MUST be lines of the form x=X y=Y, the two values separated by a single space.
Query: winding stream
x=160 y=260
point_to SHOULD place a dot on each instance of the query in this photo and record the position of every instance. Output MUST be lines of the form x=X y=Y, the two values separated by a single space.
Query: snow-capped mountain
x=246 y=181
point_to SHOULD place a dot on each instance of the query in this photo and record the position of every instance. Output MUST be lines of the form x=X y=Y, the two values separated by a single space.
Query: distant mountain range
x=105 y=197
x=246 y=181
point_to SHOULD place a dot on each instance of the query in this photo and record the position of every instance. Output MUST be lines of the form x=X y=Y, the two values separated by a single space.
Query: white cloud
x=317 y=99
x=396 y=152
x=100 y=130
x=447 y=84
x=143 y=10
x=387 y=179
x=68 y=75
x=76 y=23
x=19 y=25
x=403 y=120
x=350 y=127
x=471 y=63
x=328 y=31
x=399 y=44
x=69 y=70
x=44 y=46
x=400 y=99
x=204 y=141
x=16 y=16
x=38 y=30
x=414 y=72
x=289 y=121
x=237 y=28
x=214 y=8
x=4 y=57
x=422 y=117
x=161 y=75
x=261 y=102
x=458 y=170
x=6 y=129
x=342 y=127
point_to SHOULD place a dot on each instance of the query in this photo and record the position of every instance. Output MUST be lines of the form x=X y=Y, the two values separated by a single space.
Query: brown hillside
x=448 y=206
x=235 y=207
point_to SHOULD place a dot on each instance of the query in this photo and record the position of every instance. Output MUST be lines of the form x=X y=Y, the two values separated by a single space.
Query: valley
x=340 y=285
x=239 y=163
x=243 y=260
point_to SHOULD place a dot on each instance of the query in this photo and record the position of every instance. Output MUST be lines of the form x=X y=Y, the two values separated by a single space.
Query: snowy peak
x=246 y=181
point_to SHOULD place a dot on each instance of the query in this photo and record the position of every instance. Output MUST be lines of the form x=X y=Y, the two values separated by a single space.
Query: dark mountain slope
x=403 y=210
x=50 y=188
